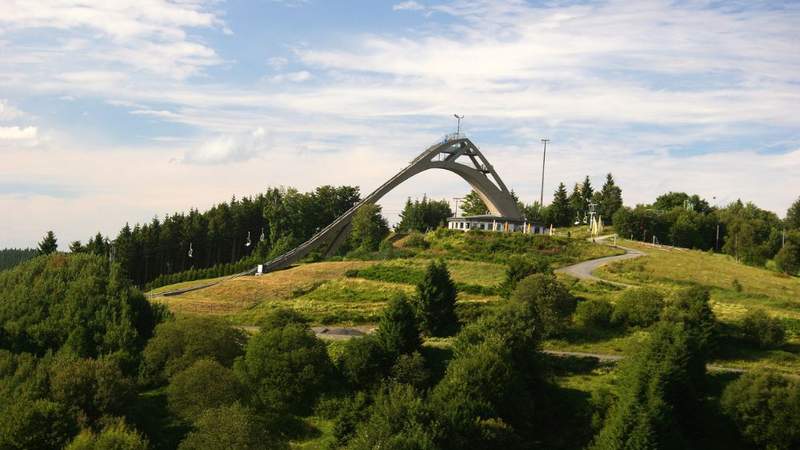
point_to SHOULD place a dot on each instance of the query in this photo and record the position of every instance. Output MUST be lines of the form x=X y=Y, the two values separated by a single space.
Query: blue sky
x=120 y=111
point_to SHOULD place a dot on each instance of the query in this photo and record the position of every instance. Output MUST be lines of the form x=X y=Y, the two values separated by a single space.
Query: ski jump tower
x=455 y=153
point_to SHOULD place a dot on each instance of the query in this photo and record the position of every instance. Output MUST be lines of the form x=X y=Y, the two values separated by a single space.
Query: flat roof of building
x=487 y=218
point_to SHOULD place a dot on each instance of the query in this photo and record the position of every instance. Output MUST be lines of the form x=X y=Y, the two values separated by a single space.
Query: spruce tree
x=436 y=300
x=587 y=192
x=49 y=244
x=76 y=247
x=472 y=205
x=576 y=203
x=610 y=199
x=398 y=332
x=560 y=210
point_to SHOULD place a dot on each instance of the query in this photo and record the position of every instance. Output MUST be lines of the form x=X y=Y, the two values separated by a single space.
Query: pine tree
x=576 y=203
x=587 y=192
x=560 y=210
x=49 y=244
x=76 y=247
x=411 y=219
x=610 y=199
x=435 y=301
x=472 y=205
x=398 y=332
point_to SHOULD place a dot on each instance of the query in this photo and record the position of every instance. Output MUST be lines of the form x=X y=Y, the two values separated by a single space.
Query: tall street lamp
x=541 y=191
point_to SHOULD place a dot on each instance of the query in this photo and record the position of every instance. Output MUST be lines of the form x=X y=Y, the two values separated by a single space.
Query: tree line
x=565 y=209
x=10 y=257
x=264 y=225
x=743 y=230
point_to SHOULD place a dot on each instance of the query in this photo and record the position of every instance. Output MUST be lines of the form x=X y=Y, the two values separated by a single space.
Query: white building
x=489 y=222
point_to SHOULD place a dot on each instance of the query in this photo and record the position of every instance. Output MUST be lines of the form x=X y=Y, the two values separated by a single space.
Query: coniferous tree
x=560 y=210
x=422 y=215
x=397 y=331
x=49 y=244
x=76 y=247
x=587 y=192
x=577 y=206
x=610 y=199
x=472 y=205
x=435 y=301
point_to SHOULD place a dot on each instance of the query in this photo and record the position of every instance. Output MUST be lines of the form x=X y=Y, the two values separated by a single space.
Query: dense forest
x=10 y=257
x=265 y=225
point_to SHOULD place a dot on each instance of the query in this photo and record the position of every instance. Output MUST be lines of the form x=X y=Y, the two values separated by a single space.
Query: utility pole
x=458 y=130
x=541 y=191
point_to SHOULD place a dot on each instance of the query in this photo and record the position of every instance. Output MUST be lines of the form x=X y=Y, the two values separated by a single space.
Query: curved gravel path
x=583 y=270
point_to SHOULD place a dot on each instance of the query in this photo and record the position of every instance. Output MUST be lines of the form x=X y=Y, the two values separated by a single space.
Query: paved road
x=583 y=270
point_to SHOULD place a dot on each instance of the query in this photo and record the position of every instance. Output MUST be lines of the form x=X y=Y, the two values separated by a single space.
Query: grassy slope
x=671 y=269
x=323 y=293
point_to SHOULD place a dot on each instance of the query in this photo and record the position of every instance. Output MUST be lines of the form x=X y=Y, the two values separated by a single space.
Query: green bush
x=551 y=301
x=435 y=301
x=233 y=427
x=397 y=331
x=285 y=368
x=520 y=267
x=411 y=369
x=204 y=385
x=691 y=308
x=281 y=317
x=593 y=314
x=640 y=307
x=514 y=326
x=478 y=386
x=788 y=258
x=177 y=344
x=397 y=420
x=39 y=424
x=766 y=409
x=91 y=388
x=762 y=330
x=416 y=239
x=116 y=436
x=363 y=362
x=349 y=414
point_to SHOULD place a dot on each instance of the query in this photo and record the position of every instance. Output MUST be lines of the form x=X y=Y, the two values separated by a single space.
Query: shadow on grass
x=576 y=335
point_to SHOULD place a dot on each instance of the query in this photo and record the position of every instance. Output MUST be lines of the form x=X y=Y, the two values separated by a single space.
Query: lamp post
x=541 y=191
x=458 y=130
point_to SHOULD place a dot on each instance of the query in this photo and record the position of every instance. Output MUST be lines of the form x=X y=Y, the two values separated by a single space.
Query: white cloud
x=151 y=36
x=8 y=112
x=18 y=133
x=277 y=62
x=410 y=5
x=229 y=148
x=294 y=77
